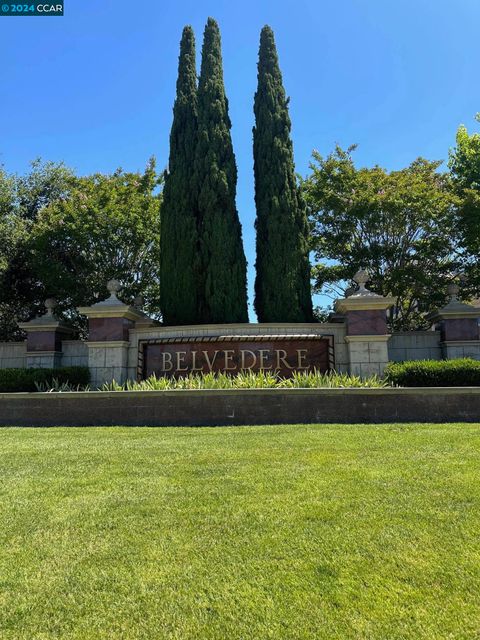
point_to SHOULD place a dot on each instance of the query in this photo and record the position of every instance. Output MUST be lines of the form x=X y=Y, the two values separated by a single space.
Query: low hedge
x=15 y=380
x=463 y=372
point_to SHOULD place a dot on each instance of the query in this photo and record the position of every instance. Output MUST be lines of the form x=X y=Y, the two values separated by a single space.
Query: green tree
x=464 y=161
x=108 y=227
x=223 y=264
x=11 y=224
x=45 y=183
x=282 y=285
x=464 y=165
x=400 y=225
x=22 y=198
x=179 y=253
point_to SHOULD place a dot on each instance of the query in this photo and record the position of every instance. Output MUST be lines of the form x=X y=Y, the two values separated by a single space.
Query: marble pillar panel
x=48 y=340
x=460 y=329
x=108 y=329
x=366 y=322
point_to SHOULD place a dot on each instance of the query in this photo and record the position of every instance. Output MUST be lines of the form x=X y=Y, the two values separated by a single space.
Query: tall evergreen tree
x=179 y=267
x=223 y=263
x=282 y=284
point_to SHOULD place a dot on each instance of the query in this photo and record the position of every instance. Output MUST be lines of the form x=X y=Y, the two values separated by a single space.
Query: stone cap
x=455 y=308
x=48 y=322
x=368 y=338
x=363 y=299
x=112 y=307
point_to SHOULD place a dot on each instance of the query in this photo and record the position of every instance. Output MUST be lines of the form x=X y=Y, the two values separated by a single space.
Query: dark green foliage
x=22 y=198
x=179 y=240
x=108 y=227
x=400 y=225
x=16 y=380
x=223 y=264
x=282 y=285
x=464 y=163
x=463 y=372
x=65 y=237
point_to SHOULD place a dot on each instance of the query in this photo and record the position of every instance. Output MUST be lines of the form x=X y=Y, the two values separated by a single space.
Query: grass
x=292 y=532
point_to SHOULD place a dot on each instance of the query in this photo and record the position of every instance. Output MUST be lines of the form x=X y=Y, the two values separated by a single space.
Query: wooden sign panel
x=176 y=357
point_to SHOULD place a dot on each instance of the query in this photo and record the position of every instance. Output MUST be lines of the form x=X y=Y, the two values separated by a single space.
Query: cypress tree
x=282 y=284
x=179 y=238
x=223 y=264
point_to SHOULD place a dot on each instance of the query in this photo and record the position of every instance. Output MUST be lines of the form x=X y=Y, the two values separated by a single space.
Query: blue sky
x=96 y=87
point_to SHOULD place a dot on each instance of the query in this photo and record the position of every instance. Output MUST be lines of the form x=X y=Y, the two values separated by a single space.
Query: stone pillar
x=109 y=324
x=367 y=333
x=44 y=339
x=459 y=329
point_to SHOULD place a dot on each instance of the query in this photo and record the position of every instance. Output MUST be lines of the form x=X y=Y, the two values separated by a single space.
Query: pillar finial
x=50 y=304
x=114 y=286
x=361 y=278
x=452 y=291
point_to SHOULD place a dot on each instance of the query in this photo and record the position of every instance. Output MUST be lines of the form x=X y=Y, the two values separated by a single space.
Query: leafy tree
x=108 y=227
x=10 y=222
x=179 y=237
x=21 y=200
x=223 y=264
x=282 y=285
x=45 y=183
x=400 y=225
x=464 y=161
x=464 y=165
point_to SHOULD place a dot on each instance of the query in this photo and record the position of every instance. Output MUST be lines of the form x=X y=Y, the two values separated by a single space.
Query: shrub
x=463 y=372
x=248 y=380
x=318 y=380
x=55 y=386
x=14 y=380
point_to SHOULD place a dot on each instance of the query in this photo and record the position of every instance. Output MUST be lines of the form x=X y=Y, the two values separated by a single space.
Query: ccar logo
x=50 y=8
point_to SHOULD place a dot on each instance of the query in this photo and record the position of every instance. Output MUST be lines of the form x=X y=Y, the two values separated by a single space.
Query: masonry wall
x=13 y=355
x=240 y=407
x=414 y=345
x=461 y=349
x=75 y=353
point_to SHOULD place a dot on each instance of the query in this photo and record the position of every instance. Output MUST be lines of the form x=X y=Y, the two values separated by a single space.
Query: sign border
x=234 y=338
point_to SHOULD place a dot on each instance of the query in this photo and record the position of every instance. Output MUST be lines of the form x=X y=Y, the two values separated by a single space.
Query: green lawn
x=339 y=531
